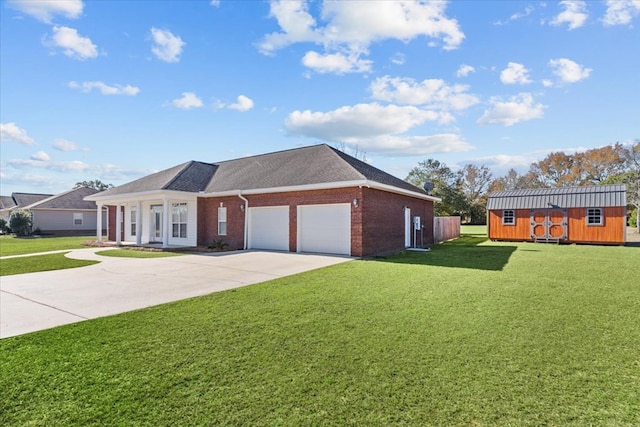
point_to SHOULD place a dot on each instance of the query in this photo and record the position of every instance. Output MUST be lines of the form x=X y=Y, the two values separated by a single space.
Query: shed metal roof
x=599 y=196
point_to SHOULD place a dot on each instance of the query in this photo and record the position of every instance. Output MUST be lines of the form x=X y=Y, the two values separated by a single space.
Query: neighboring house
x=595 y=214
x=311 y=199
x=66 y=213
x=18 y=201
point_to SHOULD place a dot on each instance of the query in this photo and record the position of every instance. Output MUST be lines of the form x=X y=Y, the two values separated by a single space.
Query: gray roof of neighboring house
x=296 y=167
x=72 y=199
x=7 y=202
x=21 y=200
x=567 y=197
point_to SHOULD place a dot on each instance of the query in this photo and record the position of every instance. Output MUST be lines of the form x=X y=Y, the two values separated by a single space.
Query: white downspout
x=246 y=217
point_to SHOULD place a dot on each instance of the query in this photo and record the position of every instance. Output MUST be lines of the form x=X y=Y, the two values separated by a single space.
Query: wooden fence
x=446 y=228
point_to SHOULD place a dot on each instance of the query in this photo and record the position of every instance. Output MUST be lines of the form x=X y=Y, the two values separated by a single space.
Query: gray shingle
x=72 y=199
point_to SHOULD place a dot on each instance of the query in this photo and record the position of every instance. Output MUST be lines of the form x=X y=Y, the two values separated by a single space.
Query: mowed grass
x=36 y=263
x=135 y=253
x=470 y=333
x=10 y=245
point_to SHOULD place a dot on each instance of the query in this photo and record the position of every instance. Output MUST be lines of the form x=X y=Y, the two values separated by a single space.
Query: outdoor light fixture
x=242 y=207
x=355 y=202
x=221 y=204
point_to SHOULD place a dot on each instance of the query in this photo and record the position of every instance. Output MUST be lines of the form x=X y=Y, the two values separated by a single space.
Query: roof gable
x=598 y=196
x=72 y=199
x=26 y=199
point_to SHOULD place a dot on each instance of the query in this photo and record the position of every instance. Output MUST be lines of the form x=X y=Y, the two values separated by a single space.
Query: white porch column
x=139 y=223
x=165 y=223
x=118 y=224
x=99 y=222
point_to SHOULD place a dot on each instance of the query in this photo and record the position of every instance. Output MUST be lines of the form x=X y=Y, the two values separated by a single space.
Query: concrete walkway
x=36 y=301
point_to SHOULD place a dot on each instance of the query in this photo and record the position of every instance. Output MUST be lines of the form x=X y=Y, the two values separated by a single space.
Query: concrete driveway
x=36 y=301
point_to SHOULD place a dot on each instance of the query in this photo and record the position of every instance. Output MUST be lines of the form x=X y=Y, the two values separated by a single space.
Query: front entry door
x=549 y=224
x=155 y=234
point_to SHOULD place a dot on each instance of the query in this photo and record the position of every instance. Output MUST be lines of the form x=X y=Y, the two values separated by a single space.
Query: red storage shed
x=594 y=214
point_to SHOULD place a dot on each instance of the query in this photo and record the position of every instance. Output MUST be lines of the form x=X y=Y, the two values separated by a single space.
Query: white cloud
x=72 y=44
x=337 y=63
x=64 y=145
x=518 y=15
x=11 y=132
x=40 y=156
x=574 y=14
x=187 y=101
x=167 y=46
x=375 y=128
x=358 y=121
x=346 y=32
x=105 y=89
x=70 y=166
x=518 y=108
x=515 y=74
x=398 y=58
x=621 y=12
x=569 y=71
x=215 y=3
x=465 y=70
x=504 y=161
x=45 y=10
x=434 y=93
x=243 y=103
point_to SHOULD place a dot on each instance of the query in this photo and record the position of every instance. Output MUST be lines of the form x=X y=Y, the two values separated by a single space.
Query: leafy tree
x=598 y=164
x=96 y=184
x=445 y=186
x=20 y=222
x=557 y=170
x=474 y=182
x=3 y=226
x=514 y=181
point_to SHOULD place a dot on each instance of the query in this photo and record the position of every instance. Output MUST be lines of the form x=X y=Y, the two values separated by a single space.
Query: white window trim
x=78 y=216
x=513 y=216
x=600 y=215
x=175 y=206
x=222 y=219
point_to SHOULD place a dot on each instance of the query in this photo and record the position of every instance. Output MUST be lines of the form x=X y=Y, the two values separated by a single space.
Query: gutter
x=246 y=217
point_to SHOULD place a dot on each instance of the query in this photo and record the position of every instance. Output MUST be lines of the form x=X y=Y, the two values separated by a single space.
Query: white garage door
x=325 y=229
x=269 y=228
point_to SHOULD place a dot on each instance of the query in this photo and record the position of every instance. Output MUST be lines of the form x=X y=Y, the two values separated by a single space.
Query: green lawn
x=136 y=253
x=470 y=333
x=10 y=245
x=33 y=264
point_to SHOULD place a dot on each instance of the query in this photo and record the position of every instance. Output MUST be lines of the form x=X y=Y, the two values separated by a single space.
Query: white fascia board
x=141 y=196
x=324 y=186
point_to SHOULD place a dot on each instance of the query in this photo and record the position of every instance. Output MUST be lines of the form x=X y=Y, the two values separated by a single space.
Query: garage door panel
x=325 y=229
x=269 y=228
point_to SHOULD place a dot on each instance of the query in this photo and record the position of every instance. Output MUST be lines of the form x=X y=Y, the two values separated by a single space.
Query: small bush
x=20 y=222
x=633 y=219
x=218 y=244
x=4 y=228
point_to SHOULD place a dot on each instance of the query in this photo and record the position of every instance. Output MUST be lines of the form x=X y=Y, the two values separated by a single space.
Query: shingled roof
x=72 y=199
x=21 y=200
x=318 y=164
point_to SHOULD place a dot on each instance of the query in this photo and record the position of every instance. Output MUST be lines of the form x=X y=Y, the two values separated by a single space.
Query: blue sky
x=115 y=90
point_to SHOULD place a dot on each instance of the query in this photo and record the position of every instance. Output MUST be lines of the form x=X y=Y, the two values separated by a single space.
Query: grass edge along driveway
x=471 y=333
x=39 y=263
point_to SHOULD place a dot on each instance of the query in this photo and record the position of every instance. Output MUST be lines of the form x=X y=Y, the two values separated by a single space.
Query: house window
x=509 y=217
x=179 y=220
x=594 y=216
x=133 y=221
x=222 y=221
x=78 y=218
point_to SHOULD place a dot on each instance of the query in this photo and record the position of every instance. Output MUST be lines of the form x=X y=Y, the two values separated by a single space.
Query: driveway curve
x=37 y=301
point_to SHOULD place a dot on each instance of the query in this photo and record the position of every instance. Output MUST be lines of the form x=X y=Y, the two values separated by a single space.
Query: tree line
x=464 y=192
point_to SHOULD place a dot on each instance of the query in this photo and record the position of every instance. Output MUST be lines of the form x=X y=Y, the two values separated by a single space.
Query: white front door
x=155 y=234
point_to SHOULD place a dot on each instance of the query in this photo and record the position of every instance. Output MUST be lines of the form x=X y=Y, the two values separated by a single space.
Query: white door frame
x=407 y=227
x=155 y=229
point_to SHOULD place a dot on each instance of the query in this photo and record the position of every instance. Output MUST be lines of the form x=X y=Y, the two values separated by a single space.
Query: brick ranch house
x=310 y=199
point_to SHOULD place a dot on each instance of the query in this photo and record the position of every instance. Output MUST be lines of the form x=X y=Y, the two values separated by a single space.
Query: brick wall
x=377 y=223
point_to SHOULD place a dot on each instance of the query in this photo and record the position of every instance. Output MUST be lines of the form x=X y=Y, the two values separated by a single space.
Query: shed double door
x=549 y=224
